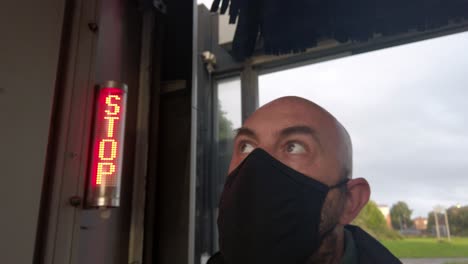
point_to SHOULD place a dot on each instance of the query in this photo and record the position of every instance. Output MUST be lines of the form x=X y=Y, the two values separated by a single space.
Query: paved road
x=434 y=261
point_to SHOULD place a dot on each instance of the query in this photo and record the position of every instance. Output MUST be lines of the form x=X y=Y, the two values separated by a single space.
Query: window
x=228 y=119
x=406 y=110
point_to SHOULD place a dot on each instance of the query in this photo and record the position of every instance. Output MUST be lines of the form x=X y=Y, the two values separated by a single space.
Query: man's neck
x=331 y=250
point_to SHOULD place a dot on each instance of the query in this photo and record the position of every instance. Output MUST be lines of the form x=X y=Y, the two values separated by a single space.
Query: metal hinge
x=209 y=59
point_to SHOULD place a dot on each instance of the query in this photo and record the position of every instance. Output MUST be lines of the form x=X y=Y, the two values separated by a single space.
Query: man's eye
x=295 y=148
x=246 y=148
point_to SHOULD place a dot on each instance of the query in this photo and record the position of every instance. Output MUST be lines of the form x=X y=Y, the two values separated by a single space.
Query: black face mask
x=270 y=213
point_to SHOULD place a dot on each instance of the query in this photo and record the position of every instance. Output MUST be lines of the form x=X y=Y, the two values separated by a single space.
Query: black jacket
x=370 y=251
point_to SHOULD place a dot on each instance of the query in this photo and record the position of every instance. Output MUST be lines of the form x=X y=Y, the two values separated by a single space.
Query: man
x=290 y=195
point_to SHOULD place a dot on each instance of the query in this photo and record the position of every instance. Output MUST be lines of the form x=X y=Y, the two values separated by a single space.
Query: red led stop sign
x=107 y=146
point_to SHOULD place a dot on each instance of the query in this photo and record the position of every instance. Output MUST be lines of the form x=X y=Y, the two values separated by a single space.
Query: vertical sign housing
x=105 y=170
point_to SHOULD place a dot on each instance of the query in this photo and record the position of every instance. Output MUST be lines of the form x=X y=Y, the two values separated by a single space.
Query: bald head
x=326 y=124
x=302 y=135
x=305 y=137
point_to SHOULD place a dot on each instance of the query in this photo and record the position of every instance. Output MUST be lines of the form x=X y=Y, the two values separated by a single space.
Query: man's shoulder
x=369 y=249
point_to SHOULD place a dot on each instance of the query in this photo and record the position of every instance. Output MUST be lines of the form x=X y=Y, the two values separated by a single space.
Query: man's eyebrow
x=300 y=130
x=243 y=131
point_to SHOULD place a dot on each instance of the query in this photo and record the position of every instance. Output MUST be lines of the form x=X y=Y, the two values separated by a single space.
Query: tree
x=458 y=220
x=373 y=221
x=225 y=125
x=224 y=144
x=400 y=214
x=457 y=217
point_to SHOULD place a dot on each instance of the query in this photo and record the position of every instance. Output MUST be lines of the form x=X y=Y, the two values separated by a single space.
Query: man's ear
x=357 y=196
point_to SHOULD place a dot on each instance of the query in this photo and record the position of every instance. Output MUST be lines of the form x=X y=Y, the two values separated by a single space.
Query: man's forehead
x=279 y=130
x=282 y=133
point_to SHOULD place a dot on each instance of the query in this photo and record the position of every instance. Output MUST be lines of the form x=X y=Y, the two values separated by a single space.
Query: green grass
x=428 y=248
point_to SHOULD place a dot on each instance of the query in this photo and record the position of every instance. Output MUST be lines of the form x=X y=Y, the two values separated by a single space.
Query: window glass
x=406 y=110
x=229 y=118
x=229 y=106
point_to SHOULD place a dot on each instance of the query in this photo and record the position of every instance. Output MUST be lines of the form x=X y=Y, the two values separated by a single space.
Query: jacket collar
x=369 y=249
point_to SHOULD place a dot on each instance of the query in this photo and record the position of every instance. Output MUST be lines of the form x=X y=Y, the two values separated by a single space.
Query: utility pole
x=447 y=225
x=437 y=224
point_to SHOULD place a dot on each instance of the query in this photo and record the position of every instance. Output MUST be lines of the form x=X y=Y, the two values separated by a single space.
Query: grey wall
x=169 y=161
x=30 y=33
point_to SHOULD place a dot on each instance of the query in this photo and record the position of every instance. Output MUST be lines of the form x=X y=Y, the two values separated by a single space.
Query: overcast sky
x=405 y=108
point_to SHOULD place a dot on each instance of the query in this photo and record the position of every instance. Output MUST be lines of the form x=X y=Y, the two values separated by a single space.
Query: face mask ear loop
x=329 y=231
x=340 y=184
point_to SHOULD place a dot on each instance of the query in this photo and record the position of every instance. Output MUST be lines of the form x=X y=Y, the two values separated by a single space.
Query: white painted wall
x=30 y=33
x=385 y=210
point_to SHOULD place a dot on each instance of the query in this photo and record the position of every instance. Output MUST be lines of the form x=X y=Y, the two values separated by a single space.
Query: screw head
x=75 y=201
x=93 y=26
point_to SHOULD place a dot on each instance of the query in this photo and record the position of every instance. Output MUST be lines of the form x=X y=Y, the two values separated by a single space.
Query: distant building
x=420 y=223
x=385 y=210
